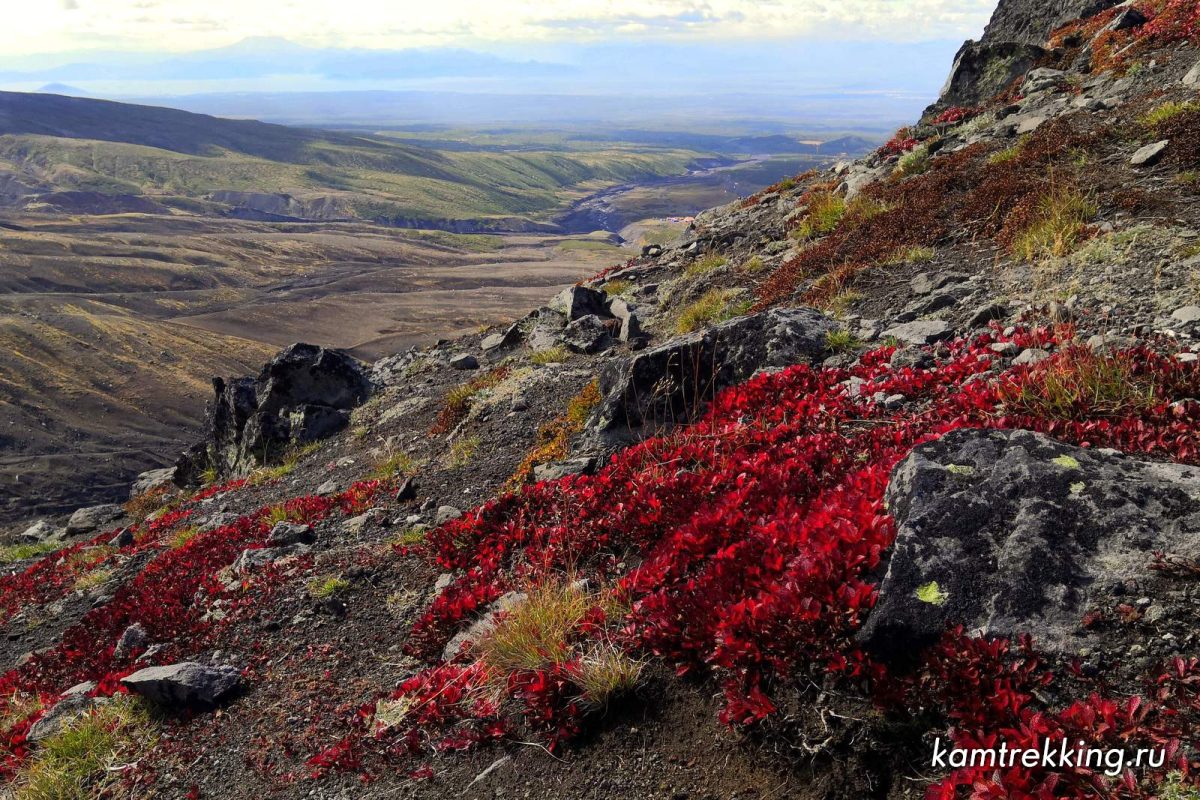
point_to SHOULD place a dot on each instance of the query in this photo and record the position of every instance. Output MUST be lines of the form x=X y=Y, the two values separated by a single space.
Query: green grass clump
x=914 y=162
x=537 y=632
x=326 y=587
x=841 y=341
x=395 y=465
x=715 y=305
x=74 y=763
x=605 y=673
x=618 y=288
x=93 y=579
x=20 y=552
x=825 y=211
x=1166 y=112
x=183 y=536
x=1008 y=154
x=410 y=537
x=1056 y=226
x=551 y=355
x=462 y=452
x=754 y=266
x=703 y=266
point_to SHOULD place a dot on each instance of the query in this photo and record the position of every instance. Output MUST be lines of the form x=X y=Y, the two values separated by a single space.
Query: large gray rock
x=579 y=301
x=90 y=520
x=1032 y=21
x=1149 y=155
x=920 y=332
x=70 y=708
x=587 y=335
x=152 y=479
x=305 y=393
x=670 y=383
x=184 y=685
x=982 y=70
x=1010 y=532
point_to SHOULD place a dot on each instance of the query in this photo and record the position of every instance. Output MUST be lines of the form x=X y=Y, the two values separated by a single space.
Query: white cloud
x=195 y=24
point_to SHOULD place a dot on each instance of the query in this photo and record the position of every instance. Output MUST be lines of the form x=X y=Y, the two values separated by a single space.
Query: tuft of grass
x=1166 y=112
x=715 y=305
x=19 y=706
x=326 y=587
x=1188 y=178
x=841 y=341
x=395 y=465
x=617 y=288
x=536 y=633
x=183 y=536
x=460 y=398
x=914 y=162
x=605 y=673
x=1056 y=225
x=825 y=211
x=276 y=515
x=462 y=452
x=551 y=355
x=754 y=266
x=1079 y=382
x=93 y=579
x=210 y=475
x=410 y=537
x=703 y=266
x=74 y=763
x=20 y=552
x=146 y=504
x=1008 y=154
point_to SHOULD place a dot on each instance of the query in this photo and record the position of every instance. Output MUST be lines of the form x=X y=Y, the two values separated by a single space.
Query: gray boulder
x=90 y=520
x=464 y=361
x=70 y=708
x=670 y=383
x=184 y=685
x=39 y=531
x=920 y=332
x=626 y=313
x=579 y=301
x=588 y=335
x=285 y=533
x=256 y=558
x=305 y=393
x=561 y=469
x=152 y=479
x=133 y=638
x=1149 y=155
x=1010 y=532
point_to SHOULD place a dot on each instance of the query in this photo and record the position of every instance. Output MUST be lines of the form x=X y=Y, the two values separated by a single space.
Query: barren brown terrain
x=110 y=326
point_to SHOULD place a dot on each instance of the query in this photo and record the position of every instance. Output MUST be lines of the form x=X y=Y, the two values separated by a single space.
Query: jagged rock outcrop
x=669 y=384
x=305 y=393
x=1011 y=45
x=1010 y=532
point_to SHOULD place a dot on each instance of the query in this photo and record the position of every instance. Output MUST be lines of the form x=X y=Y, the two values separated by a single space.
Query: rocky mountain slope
x=899 y=454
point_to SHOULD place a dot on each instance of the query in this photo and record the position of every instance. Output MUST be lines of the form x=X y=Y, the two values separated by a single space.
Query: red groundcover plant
x=767 y=578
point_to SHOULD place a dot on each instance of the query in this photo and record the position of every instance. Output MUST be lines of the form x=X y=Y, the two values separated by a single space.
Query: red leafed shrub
x=954 y=115
x=765 y=582
x=1170 y=20
x=900 y=143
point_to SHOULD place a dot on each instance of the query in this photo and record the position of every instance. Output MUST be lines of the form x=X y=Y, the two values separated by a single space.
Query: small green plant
x=1176 y=787
x=1166 y=112
x=536 y=632
x=605 y=673
x=183 y=536
x=841 y=341
x=914 y=162
x=93 y=579
x=825 y=210
x=703 y=266
x=412 y=536
x=20 y=552
x=462 y=452
x=551 y=355
x=395 y=465
x=1056 y=226
x=1008 y=154
x=73 y=764
x=916 y=254
x=753 y=266
x=326 y=587
x=276 y=515
x=19 y=706
x=617 y=288
x=210 y=475
x=1188 y=178
x=715 y=305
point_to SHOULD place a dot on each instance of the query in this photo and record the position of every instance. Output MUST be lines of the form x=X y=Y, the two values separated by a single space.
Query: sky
x=60 y=26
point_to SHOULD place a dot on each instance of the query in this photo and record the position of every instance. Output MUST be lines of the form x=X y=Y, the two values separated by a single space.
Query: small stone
x=1192 y=78
x=1187 y=314
x=1030 y=355
x=1006 y=349
x=446 y=513
x=133 y=638
x=1149 y=155
x=464 y=361
x=328 y=487
x=285 y=533
x=920 y=331
x=989 y=312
